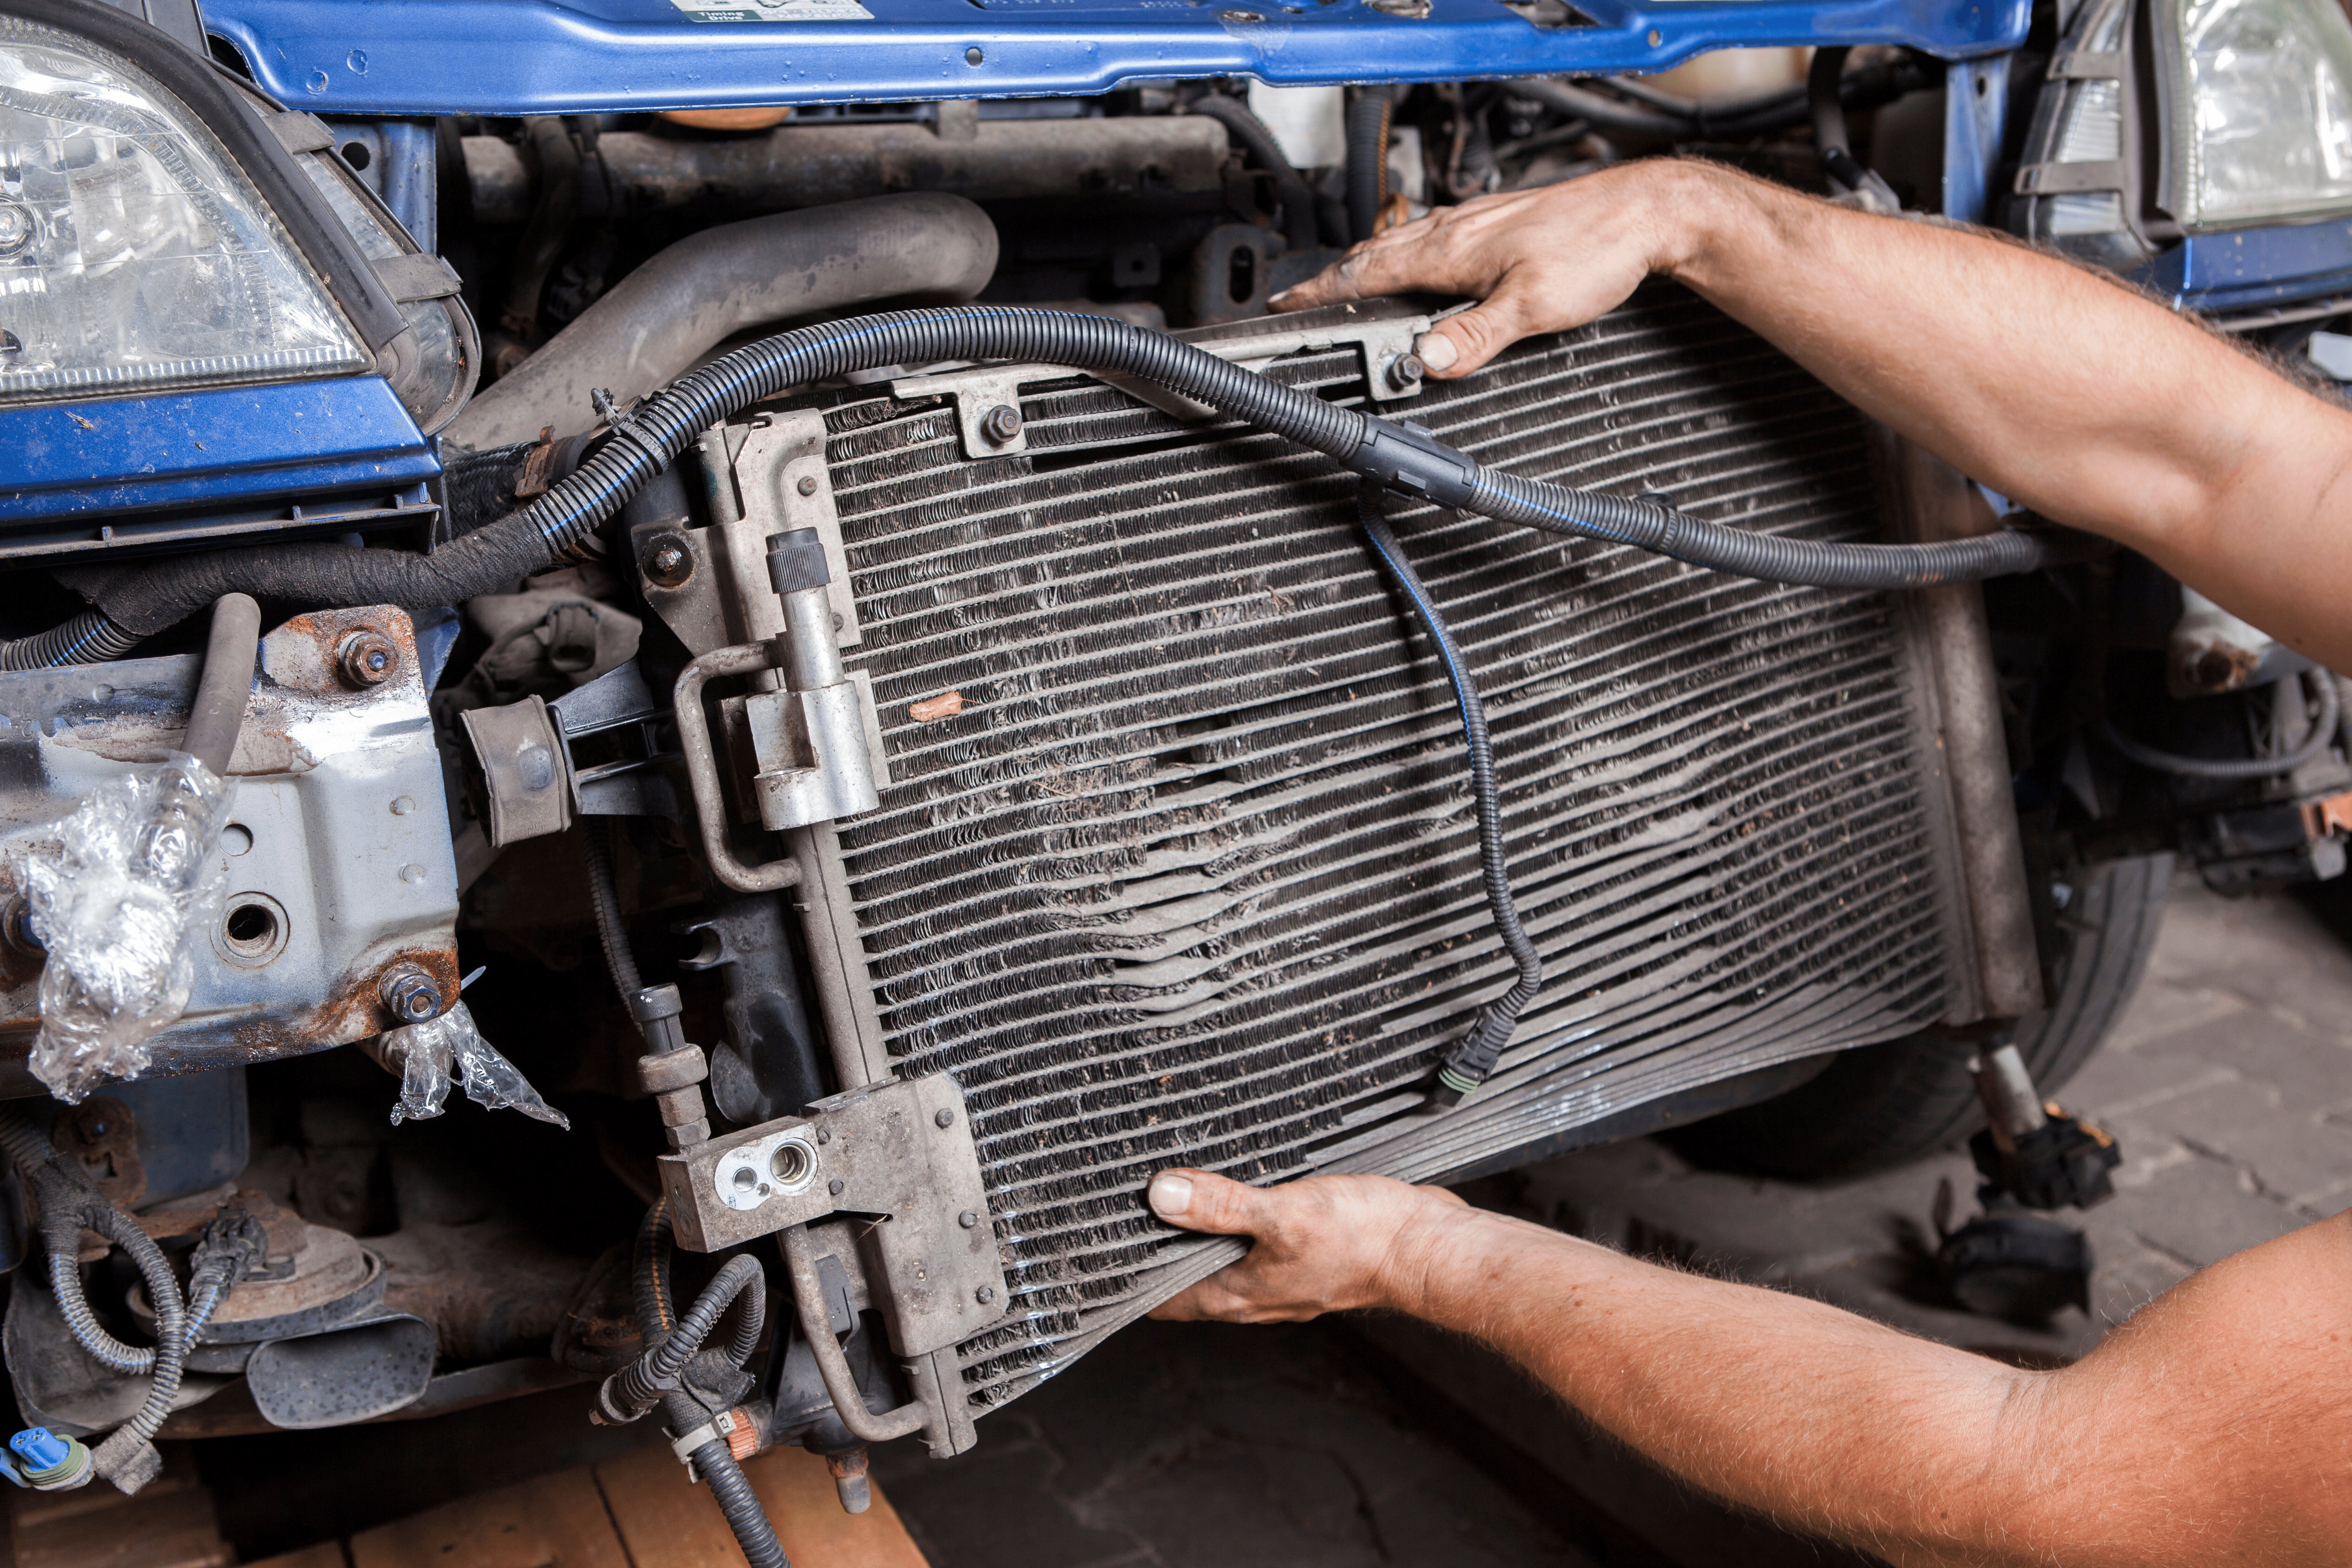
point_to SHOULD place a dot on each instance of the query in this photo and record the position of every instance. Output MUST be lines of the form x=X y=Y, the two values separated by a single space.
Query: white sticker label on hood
x=774 y=10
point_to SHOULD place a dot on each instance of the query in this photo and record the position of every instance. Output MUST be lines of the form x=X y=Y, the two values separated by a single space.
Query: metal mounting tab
x=899 y=1154
x=988 y=398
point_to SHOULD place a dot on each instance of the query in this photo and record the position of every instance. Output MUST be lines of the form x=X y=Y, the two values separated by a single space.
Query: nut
x=668 y=560
x=1000 y=425
x=412 y=995
x=367 y=658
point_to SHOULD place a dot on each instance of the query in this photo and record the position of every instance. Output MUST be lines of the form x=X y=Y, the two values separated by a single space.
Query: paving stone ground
x=2227 y=1081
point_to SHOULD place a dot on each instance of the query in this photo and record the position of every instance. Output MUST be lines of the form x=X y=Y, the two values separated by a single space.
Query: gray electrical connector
x=812 y=743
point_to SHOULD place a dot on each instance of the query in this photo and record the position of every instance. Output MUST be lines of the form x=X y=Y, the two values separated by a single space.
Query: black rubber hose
x=1298 y=225
x=222 y=690
x=563 y=523
x=729 y=1488
x=1368 y=161
x=619 y=961
x=2323 y=732
x=1472 y=1059
x=88 y=637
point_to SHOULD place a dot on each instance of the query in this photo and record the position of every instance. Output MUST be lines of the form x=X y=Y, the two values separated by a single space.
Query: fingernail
x=1171 y=1196
x=1436 y=349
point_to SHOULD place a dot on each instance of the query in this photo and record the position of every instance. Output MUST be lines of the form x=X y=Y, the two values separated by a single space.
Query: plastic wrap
x=424 y=1054
x=115 y=897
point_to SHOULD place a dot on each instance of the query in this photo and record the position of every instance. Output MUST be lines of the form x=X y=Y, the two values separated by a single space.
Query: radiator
x=1191 y=877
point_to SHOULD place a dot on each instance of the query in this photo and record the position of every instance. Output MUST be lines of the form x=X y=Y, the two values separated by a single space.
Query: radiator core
x=1191 y=877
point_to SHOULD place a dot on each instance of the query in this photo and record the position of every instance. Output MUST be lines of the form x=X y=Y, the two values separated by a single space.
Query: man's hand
x=1322 y=1244
x=1541 y=261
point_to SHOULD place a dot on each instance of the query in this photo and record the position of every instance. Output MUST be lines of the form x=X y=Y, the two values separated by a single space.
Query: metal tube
x=2011 y=1103
x=702 y=768
x=840 y=1384
x=813 y=659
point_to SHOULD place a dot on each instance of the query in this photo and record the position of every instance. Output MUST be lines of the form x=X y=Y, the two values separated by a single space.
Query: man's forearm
x=2171 y=1444
x=2089 y=402
x=1786 y=1406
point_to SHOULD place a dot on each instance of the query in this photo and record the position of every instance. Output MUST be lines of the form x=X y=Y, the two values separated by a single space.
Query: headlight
x=133 y=253
x=2262 y=122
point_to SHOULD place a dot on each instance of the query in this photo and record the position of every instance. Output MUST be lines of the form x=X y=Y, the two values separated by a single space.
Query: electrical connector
x=49 y=1463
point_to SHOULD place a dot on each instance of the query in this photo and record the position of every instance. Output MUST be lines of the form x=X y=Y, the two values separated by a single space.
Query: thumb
x=1466 y=340
x=1199 y=1201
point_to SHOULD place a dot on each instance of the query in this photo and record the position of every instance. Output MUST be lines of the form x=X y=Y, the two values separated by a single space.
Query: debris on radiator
x=112 y=897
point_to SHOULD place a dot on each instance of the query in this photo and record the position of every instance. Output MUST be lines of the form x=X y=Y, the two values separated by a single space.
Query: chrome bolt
x=412 y=995
x=944 y=1119
x=367 y=658
x=1000 y=425
x=967 y=1219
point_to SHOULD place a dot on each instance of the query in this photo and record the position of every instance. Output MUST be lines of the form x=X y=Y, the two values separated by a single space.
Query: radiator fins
x=1192 y=877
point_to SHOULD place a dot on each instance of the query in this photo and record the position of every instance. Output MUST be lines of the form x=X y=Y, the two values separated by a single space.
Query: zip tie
x=624 y=422
x=713 y=1430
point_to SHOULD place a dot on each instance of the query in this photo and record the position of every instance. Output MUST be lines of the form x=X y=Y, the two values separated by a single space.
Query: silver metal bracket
x=1391 y=371
x=900 y=1156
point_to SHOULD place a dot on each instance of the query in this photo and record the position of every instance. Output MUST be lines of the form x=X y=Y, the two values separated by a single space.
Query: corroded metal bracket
x=898 y=1155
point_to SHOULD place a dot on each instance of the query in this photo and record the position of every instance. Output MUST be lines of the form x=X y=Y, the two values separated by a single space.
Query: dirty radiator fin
x=1191 y=878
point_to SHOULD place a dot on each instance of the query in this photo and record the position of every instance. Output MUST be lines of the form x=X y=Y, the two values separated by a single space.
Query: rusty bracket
x=898 y=1155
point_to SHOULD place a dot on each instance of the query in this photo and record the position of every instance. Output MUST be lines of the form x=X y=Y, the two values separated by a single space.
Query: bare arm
x=2091 y=405
x=2216 y=1426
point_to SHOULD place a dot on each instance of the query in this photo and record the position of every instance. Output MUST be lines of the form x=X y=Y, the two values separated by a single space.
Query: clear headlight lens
x=134 y=254
x=2262 y=115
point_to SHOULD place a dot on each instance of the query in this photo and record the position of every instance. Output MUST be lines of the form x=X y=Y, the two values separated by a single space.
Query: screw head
x=412 y=995
x=1405 y=371
x=1000 y=425
x=944 y=1119
x=967 y=1219
x=668 y=560
x=367 y=658
x=836 y=1186
x=807 y=486
x=984 y=1295
x=972 y=55
x=824 y=1134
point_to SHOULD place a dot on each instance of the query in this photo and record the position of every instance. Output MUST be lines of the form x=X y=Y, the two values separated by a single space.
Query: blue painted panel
x=2247 y=268
x=214 y=448
x=536 y=57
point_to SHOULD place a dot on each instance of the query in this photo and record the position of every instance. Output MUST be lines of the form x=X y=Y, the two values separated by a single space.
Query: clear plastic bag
x=425 y=1054
x=117 y=896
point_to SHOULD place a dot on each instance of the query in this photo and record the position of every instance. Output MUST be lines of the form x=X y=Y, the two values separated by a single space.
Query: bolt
x=967 y=1219
x=944 y=1119
x=2213 y=670
x=1000 y=425
x=984 y=1295
x=807 y=486
x=668 y=560
x=972 y=55
x=836 y=1186
x=1404 y=372
x=412 y=995
x=824 y=1134
x=367 y=658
